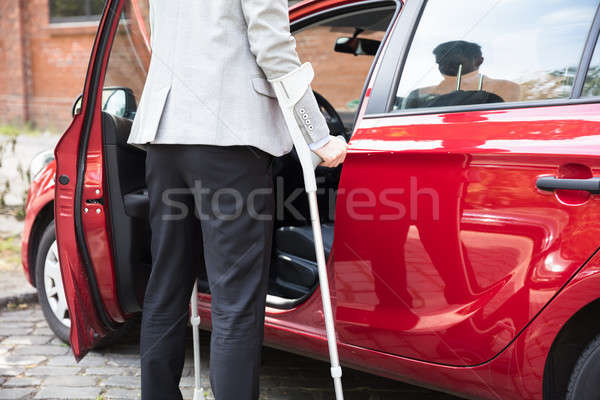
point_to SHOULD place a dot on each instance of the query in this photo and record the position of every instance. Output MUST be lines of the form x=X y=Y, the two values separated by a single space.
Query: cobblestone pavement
x=34 y=364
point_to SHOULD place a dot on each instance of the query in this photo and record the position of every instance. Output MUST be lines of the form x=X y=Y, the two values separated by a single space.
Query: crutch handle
x=316 y=160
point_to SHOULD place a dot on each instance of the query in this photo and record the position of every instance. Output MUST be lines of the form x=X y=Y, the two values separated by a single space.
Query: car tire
x=48 y=281
x=52 y=298
x=584 y=383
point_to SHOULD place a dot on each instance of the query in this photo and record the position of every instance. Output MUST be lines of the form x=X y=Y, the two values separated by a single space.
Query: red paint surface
x=468 y=302
x=39 y=195
x=310 y=7
x=139 y=20
x=456 y=250
x=85 y=323
x=86 y=327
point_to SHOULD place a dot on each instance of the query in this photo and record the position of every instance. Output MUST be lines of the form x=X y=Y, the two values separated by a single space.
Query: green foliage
x=10 y=253
x=14 y=130
x=592 y=82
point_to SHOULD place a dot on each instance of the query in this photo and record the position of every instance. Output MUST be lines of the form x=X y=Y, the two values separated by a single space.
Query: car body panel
x=85 y=323
x=478 y=249
x=90 y=285
x=39 y=195
x=310 y=7
x=516 y=373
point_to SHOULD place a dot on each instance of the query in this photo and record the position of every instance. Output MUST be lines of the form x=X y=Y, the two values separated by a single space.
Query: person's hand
x=333 y=153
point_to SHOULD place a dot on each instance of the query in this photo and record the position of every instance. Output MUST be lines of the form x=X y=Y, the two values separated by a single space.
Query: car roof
x=307 y=7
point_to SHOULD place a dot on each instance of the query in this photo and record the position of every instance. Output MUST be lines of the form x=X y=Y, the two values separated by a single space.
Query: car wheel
x=52 y=296
x=584 y=383
x=48 y=278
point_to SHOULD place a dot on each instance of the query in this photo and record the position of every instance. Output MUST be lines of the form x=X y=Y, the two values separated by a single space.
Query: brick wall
x=12 y=79
x=339 y=77
x=42 y=65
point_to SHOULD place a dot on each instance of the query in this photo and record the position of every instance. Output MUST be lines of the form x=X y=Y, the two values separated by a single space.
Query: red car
x=462 y=230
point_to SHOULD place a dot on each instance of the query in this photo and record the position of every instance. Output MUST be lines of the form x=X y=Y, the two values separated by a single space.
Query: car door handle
x=551 y=184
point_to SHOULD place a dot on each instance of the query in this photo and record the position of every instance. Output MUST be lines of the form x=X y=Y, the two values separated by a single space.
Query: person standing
x=209 y=119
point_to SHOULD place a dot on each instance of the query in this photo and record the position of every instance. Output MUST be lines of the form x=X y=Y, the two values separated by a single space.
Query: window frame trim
x=521 y=105
x=383 y=93
x=333 y=13
x=394 y=58
x=586 y=56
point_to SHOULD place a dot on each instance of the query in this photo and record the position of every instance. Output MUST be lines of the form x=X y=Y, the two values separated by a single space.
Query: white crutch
x=195 y=321
x=289 y=90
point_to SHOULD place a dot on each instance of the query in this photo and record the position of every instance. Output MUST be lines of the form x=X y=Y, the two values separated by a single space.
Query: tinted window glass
x=340 y=70
x=129 y=56
x=65 y=10
x=591 y=88
x=488 y=51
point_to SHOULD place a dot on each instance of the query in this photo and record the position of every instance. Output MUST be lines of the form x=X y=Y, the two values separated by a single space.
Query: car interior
x=293 y=273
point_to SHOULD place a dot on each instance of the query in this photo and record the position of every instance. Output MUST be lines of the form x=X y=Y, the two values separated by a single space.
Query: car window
x=129 y=58
x=341 y=50
x=591 y=87
x=467 y=52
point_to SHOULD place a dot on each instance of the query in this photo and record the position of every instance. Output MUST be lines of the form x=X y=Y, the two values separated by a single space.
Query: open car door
x=82 y=204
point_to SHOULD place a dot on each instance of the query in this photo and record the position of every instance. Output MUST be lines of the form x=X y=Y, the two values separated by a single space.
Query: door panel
x=95 y=227
x=445 y=249
x=81 y=208
x=86 y=323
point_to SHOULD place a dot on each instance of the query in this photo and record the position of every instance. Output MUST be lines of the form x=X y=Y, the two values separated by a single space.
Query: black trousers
x=212 y=206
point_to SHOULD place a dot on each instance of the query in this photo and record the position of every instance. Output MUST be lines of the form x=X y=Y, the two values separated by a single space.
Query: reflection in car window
x=591 y=87
x=129 y=56
x=488 y=51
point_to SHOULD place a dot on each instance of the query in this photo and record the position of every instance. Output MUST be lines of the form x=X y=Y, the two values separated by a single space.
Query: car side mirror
x=77 y=105
x=119 y=101
x=357 y=46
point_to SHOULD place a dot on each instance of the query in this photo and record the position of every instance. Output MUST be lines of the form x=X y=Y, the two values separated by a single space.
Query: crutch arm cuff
x=291 y=87
x=294 y=92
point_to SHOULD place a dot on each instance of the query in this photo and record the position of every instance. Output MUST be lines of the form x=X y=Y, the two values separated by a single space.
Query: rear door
x=81 y=206
x=450 y=236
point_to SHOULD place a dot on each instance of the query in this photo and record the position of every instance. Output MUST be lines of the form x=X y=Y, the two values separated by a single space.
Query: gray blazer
x=207 y=81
